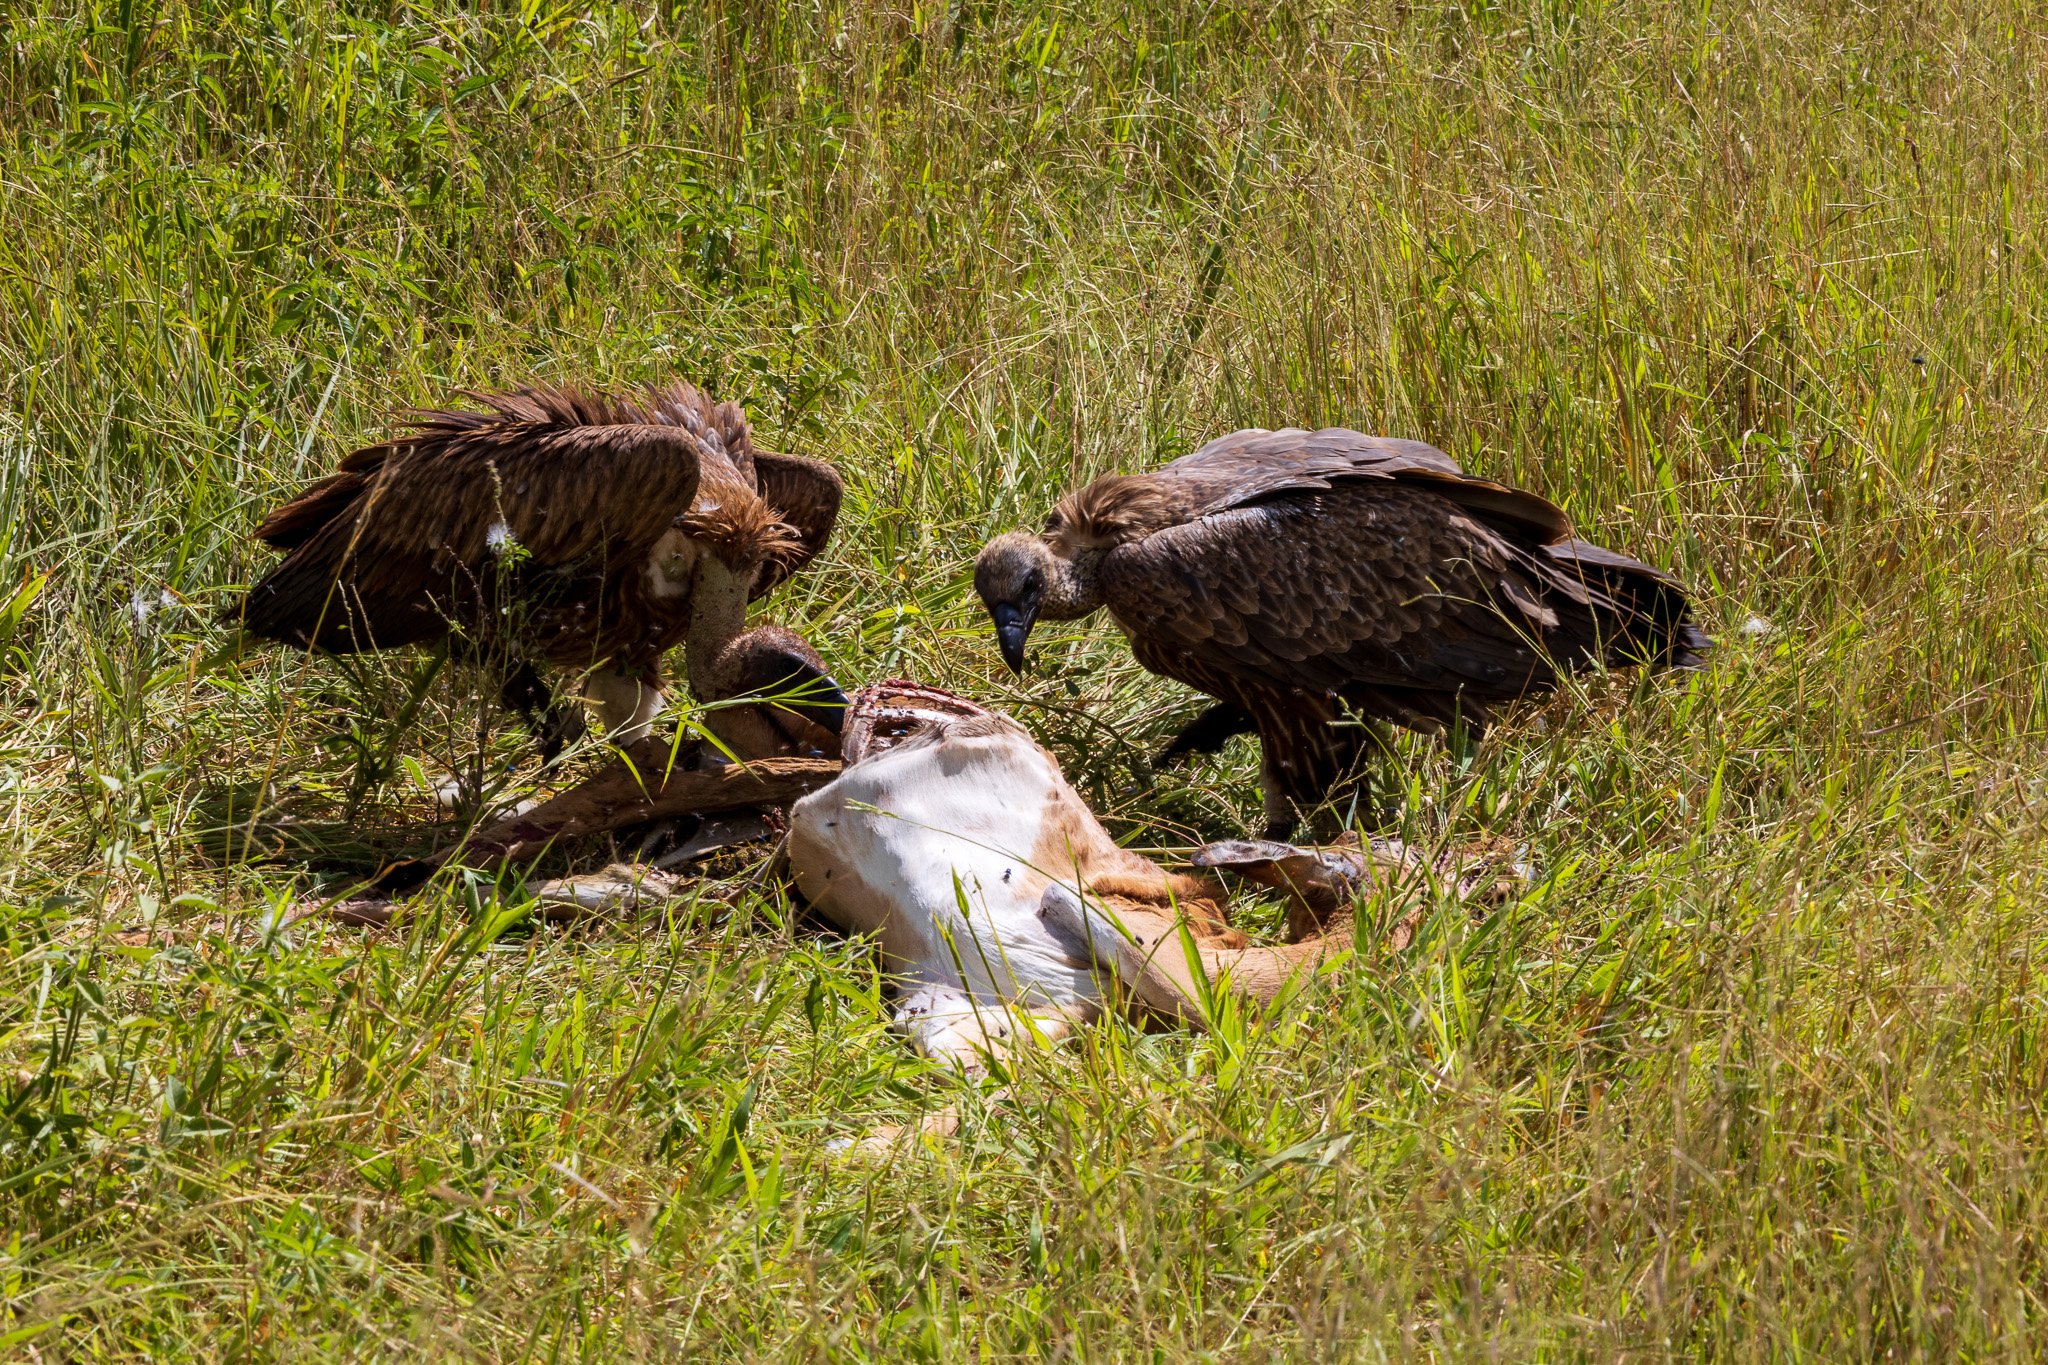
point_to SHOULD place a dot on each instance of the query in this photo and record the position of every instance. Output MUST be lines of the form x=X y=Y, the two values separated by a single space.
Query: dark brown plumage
x=1292 y=574
x=580 y=530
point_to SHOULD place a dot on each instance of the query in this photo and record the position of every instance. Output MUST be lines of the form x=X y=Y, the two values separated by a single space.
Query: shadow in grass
x=303 y=825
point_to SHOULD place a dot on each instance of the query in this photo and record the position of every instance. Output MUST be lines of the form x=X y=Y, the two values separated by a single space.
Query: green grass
x=1756 y=1072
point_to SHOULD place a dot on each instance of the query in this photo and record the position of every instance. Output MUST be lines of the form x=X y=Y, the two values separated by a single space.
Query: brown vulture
x=1294 y=574
x=582 y=530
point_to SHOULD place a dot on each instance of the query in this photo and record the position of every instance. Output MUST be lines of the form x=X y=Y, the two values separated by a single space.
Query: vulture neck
x=1072 y=583
x=718 y=612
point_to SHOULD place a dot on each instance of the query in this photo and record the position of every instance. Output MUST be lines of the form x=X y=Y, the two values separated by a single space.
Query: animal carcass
x=1001 y=904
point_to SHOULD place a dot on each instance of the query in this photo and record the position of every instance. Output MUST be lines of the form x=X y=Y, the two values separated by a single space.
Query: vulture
x=586 y=531
x=1294 y=575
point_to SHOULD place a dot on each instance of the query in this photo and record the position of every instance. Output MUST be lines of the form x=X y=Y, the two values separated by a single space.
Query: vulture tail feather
x=297 y=604
x=306 y=601
x=1655 y=624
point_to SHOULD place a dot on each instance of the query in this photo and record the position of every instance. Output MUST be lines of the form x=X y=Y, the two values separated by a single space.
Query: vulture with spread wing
x=586 y=531
x=1294 y=574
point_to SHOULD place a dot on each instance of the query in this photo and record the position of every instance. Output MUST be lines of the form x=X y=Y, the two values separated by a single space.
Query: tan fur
x=1201 y=900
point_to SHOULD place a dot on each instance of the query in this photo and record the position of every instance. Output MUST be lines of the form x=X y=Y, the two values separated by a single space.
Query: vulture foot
x=1278 y=830
x=1207 y=733
x=557 y=728
x=553 y=723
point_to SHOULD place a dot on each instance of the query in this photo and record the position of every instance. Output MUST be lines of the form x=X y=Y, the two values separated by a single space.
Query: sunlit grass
x=1755 y=1070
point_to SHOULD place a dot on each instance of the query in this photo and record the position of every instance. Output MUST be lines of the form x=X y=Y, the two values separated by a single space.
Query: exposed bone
x=888 y=712
x=1148 y=954
x=620 y=889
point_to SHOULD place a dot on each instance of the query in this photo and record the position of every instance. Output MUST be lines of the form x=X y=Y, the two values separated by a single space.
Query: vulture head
x=1022 y=578
x=773 y=697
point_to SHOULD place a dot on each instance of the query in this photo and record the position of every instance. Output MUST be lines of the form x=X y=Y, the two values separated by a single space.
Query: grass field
x=1757 y=1070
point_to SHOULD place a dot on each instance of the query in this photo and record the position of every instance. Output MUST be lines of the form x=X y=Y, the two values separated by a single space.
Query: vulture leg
x=1207 y=733
x=555 y=724
x=1307 y=746
x=1281 y=817
x=626 y=700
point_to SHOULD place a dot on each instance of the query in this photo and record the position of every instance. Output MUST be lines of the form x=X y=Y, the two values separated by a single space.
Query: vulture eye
x=1053 y=523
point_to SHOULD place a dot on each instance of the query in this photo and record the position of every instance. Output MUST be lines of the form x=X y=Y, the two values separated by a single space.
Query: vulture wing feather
x=806 y=494
x=1250 y=466
x=377 y=551
x=1319 y=591
x=1381 y=590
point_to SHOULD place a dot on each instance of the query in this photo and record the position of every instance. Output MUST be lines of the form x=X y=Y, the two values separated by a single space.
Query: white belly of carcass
x=943 y=852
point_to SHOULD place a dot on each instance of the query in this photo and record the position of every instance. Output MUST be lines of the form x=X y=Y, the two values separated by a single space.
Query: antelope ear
x=1284 y=867
x=1271 y=863
x=1245 y=856
x=1316 y=880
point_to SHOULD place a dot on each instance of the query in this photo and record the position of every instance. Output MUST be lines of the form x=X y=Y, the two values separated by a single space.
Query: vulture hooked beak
x=1013 y=628
x=812 y=693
